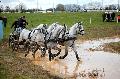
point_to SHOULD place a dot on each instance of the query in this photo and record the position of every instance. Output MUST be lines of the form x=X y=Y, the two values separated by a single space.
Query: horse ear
x=56 y=22
x=44 y=25
x=80 y=22
x=64 y=25
x=34 y=31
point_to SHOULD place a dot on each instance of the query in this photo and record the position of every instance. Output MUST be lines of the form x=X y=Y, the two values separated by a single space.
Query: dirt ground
x=14 y=67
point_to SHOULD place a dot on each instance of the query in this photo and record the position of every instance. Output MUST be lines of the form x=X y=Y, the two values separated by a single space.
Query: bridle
x=79 y=25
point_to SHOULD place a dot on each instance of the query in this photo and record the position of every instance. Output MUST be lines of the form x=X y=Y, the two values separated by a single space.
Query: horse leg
x=59 y=50
x=50 y=54
x=35 y=51
x=43 y=51
x=74 y=49
x=66 y=53
x=27 y=50
x=9 y=41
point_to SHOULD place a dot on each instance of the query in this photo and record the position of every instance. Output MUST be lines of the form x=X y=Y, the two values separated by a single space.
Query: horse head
x=81 y=29
x=77 y=28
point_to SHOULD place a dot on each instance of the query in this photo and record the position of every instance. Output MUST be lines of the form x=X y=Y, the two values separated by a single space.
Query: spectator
x=5 y=21
x=113 y=16
x=108 y=17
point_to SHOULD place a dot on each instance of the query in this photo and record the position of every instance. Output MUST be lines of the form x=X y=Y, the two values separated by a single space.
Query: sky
x=45 y=4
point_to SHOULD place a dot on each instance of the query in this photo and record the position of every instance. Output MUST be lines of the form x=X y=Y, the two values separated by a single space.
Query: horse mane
x=39 y=26
x=51 y=27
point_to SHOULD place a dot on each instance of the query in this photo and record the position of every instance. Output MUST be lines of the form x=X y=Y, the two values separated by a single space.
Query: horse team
x=45 y=37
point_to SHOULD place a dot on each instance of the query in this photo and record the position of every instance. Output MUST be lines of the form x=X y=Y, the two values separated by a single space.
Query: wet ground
x=94 y=64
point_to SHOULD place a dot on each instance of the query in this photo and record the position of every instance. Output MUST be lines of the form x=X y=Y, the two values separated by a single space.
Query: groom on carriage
x=19 y=25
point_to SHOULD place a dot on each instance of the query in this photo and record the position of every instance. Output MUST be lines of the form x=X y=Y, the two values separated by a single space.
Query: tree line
x=60 y=7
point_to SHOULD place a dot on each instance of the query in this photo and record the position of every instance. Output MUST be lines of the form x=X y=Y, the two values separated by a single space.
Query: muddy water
x=93 y=64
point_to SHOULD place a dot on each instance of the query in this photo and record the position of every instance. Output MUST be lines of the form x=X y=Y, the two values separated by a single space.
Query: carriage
x=14 y=38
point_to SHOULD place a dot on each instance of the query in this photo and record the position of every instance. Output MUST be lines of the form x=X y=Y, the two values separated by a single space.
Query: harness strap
x=70 y=38
x=29 y=37
x=81 y=30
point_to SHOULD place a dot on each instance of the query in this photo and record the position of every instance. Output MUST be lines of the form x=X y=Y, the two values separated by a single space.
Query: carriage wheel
x=15 y=45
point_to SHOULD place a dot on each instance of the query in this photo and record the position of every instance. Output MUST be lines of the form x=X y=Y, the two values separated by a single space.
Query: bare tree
x=20 y=8
x=7 y=9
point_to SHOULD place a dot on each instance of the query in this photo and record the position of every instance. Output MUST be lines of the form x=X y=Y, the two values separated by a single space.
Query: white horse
x=69 y=40
x=36 y=36
x=38 y=39
x=42 y=37
x=55 y=34
x=55 y=31
x=50 y=28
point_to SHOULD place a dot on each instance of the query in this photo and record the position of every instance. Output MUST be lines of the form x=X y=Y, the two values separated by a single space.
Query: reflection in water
x=75 y=74
x=93 y=64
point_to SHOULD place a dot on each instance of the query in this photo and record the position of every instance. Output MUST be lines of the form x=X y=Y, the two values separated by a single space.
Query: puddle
x=93 y=64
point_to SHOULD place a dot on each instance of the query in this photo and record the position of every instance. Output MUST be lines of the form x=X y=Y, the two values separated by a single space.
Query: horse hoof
x=42 y=55
x=61 y=57
x=78 y=59
x=25 y=55
x=49 y=59
x=54 y=55
x=33 y=56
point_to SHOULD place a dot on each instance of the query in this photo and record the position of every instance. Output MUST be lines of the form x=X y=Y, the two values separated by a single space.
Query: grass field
x=97 y=29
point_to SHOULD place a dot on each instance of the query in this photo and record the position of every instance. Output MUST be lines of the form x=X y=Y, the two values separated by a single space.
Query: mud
x=93 y=65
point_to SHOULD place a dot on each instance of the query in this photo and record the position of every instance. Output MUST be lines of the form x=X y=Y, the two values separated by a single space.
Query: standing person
x=22 y=22
x=5 y=21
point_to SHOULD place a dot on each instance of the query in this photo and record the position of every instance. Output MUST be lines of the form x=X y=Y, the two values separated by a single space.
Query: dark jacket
x=5 y=21
x=22 y=23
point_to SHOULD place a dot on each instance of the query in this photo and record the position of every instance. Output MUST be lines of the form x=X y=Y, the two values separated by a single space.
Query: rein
x=81 y=30
x=29 y=37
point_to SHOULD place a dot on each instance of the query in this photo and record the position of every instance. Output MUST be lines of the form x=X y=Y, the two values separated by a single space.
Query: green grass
x=97 y=29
